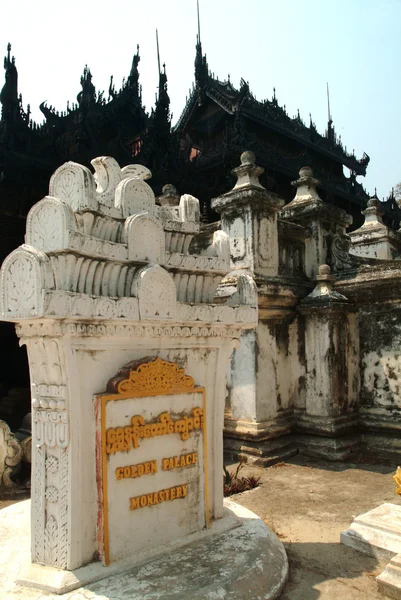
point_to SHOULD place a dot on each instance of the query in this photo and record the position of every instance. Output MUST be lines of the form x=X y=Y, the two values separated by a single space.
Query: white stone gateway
x=128 y=358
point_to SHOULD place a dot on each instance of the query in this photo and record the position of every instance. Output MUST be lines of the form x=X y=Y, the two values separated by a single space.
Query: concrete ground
x=308 y=503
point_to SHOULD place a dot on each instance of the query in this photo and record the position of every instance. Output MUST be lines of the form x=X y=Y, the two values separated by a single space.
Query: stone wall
x=320 y=374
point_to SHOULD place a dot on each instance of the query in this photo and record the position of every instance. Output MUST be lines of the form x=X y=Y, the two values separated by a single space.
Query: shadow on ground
x=308 y=503
x=319 y=570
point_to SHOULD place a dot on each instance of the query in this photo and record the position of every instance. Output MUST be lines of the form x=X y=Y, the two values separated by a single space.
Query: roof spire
x=328 y=103
x=199 y=38
x=201 y=67
x=9 y=94
x=158 y=54
x=133 y=77
x=330 y=134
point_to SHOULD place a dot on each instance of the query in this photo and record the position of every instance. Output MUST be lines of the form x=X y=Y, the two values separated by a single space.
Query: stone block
x=389 y=582
x=377 y=532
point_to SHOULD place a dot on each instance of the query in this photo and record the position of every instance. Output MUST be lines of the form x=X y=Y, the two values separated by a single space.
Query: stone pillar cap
x=323 y=295
x=248 y=172
x=306 y=178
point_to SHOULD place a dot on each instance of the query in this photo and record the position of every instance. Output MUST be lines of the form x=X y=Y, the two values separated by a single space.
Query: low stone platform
x=377 y=532
x=246 y=561
x=389 y=582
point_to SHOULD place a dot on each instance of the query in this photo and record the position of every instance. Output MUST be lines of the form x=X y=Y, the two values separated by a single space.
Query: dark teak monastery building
x=196 y=155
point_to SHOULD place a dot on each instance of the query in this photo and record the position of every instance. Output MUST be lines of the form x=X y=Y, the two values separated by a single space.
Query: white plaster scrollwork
x=51 y=428
x=49 y=224
x=46 y=359
x=51 y=494
x=52 y=463
x=50 y=541
x=10 y=455
x=122 y=330
x=107 y=176
x=58 y=391
x=246 y=292
x=74 y=184
x=189 y=208
x=340 y=245
x=38 y=499
x=63 y=508
x=24 y=275
x=201 y=263
x=156 y=293
x=133 y=197
x=127 y=308
x=220 y=248
x=136 y=172
x=145 y=239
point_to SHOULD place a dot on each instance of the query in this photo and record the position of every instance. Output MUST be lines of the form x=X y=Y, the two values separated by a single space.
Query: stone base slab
x=259 y=443
x=328 y=448
x=259 y=453
x=237 y=558
x=377 y=532
x=334 y=427
x=259 y=430
x=384 y=445
x=389 y=582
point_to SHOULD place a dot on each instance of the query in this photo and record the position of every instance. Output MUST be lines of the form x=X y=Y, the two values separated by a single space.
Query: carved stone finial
x=306 y=187
x=323 y=294
x=248 y=172
x=325 y=271
x=305 y=172
x=373 y=213
x=373 y=202
x=169 y=196
x=247 y=158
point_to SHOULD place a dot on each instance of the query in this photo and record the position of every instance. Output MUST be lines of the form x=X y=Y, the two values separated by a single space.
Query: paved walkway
x=308 y=503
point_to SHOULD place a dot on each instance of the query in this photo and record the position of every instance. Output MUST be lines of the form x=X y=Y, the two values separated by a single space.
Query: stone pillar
x=329 y=416
x=328 y=242
x=258 y=416
x=249 y=217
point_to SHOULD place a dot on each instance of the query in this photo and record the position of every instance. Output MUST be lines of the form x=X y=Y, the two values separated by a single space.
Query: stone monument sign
x=152 y=459
x=108 y=278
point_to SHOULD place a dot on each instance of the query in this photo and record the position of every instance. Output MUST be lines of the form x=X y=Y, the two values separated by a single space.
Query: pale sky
x=293 y=45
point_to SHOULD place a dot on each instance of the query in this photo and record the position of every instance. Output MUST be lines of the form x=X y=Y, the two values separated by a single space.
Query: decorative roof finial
x=328 y=103
x=201 y=66
x=158 y=54
x=199 y=37
x=9 y=93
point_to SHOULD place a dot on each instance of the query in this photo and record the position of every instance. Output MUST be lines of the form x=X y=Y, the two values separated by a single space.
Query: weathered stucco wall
x=380 y=330
x=380 y=412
